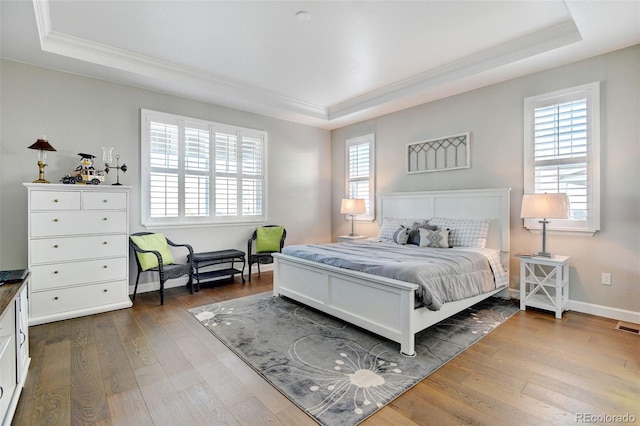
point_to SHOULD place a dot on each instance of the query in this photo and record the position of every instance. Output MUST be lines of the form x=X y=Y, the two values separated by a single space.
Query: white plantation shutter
x=360 y=172
x=163 y=191
x=562 y=152
x=197 y=172
x=226 y=172
x=252 y=160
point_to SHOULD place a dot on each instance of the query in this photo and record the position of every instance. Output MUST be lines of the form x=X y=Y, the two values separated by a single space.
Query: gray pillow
x=401 y=235
x=434 y=239
x=414 y=232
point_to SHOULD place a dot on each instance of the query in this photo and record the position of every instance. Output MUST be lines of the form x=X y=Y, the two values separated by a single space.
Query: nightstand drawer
x=55 y=200
x=347 y=238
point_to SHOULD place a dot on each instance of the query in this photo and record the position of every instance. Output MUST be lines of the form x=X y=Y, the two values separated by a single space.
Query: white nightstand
x=347 y=238
x=544 y=283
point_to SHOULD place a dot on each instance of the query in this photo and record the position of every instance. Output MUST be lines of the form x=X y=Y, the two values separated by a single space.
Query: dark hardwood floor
x=155 y=365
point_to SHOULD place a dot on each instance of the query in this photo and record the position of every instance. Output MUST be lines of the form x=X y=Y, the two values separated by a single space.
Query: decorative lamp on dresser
x=78 y=250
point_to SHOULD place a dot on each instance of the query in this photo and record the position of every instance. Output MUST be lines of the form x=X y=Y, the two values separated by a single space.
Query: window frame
x=146 y=117
x=590 y=92
x=371 y=140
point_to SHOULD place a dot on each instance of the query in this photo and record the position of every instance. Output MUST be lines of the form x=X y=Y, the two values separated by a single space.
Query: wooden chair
x=166 y=272
x=262 y=257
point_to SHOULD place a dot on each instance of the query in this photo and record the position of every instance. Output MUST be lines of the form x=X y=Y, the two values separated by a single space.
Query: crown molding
x=101 y=54
x=216 y=89
x=526 y=46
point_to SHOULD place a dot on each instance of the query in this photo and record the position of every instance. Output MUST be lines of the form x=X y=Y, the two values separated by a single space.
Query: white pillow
x=435 y=239
x=391 y=224
x=464 y=232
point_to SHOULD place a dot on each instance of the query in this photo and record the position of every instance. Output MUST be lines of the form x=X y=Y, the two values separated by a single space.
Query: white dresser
x=78 y=250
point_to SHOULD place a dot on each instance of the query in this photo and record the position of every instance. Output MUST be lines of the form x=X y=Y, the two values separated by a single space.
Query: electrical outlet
x=606 y=278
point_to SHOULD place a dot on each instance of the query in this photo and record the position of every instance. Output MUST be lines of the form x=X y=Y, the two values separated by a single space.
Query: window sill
x=170 y=225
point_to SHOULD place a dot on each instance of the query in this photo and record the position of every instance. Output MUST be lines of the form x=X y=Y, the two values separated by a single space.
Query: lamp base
x=40 y=181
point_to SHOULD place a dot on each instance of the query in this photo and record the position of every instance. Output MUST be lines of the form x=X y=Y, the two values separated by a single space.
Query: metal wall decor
x=435 y=155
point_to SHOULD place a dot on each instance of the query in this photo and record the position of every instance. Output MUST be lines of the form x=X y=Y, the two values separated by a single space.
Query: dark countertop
x=8 y=293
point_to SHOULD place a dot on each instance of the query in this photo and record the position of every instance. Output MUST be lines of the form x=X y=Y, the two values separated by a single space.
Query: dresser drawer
x=60 y=249
x=104 y=200
x=45 y=277
x=47 y=224
x=70 y=299
x=55 y=200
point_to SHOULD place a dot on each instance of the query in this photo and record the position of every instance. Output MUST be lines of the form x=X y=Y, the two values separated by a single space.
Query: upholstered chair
x=152 y=254
x=267 y=239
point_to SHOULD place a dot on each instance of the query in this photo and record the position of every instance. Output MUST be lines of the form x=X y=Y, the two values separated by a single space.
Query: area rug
x=337 y=373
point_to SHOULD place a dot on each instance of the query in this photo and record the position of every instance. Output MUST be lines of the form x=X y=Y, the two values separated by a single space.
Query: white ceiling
x=349 y=62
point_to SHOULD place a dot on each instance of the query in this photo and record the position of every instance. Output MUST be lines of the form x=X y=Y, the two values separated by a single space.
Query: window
x=199 y=172
x=360 y=172
x=562 y=153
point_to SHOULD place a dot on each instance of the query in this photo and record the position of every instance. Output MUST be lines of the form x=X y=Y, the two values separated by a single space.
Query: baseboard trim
x=605 y=311
x=597 y=310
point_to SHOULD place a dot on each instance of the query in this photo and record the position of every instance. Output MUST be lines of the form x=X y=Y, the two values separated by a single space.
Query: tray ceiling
x=334 y=64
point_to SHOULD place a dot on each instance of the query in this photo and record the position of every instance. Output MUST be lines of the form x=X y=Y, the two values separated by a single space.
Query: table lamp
x=43 y=147
x=353 y=206
x=545 y=206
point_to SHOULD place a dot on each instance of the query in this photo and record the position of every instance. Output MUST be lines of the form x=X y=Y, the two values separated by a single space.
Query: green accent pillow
x=268 y=239
x=156 y=242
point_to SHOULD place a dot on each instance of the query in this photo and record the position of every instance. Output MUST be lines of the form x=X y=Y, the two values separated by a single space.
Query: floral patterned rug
x=337 y=373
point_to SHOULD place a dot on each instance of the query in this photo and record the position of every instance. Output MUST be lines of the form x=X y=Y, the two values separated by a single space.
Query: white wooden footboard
x=381 y=305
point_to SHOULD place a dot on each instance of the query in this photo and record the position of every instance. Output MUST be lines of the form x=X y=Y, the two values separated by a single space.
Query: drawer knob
x=55 y=246
x=55 y=200
x=55 y=298
x=104 y=218
x=55 y=272
x=105 y=266
x=105 y=243
x=105 y=290
x=105 y=200
x=55 y=220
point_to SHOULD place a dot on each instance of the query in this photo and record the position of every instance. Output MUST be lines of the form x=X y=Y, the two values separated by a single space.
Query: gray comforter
x=444 y=275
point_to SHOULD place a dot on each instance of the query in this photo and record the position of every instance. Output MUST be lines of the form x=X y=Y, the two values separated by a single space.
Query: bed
x=358 y=297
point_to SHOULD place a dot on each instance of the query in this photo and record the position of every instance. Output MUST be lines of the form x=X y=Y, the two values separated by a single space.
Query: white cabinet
x=544 y=283
x=14 y=347
x=78 y=250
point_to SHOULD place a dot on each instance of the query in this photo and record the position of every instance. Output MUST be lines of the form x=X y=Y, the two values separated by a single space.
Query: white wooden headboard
x=492 y=204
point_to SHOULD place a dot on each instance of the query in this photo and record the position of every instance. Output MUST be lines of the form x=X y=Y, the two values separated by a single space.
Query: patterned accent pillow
x=414 y=234
x=401 y=235
x=391 y=224
x=435 y=239
x=464 y=232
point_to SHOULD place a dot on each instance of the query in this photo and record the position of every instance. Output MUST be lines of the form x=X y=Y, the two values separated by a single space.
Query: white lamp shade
x=353 y=206
x=545 y=206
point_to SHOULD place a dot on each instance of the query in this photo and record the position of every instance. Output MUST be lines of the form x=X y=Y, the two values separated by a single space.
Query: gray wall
x=494 y=116
x=79 y=114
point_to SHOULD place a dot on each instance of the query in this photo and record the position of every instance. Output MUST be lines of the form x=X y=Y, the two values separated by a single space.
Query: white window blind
x=360 y=172
x=562 y=152
x=189 y=166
